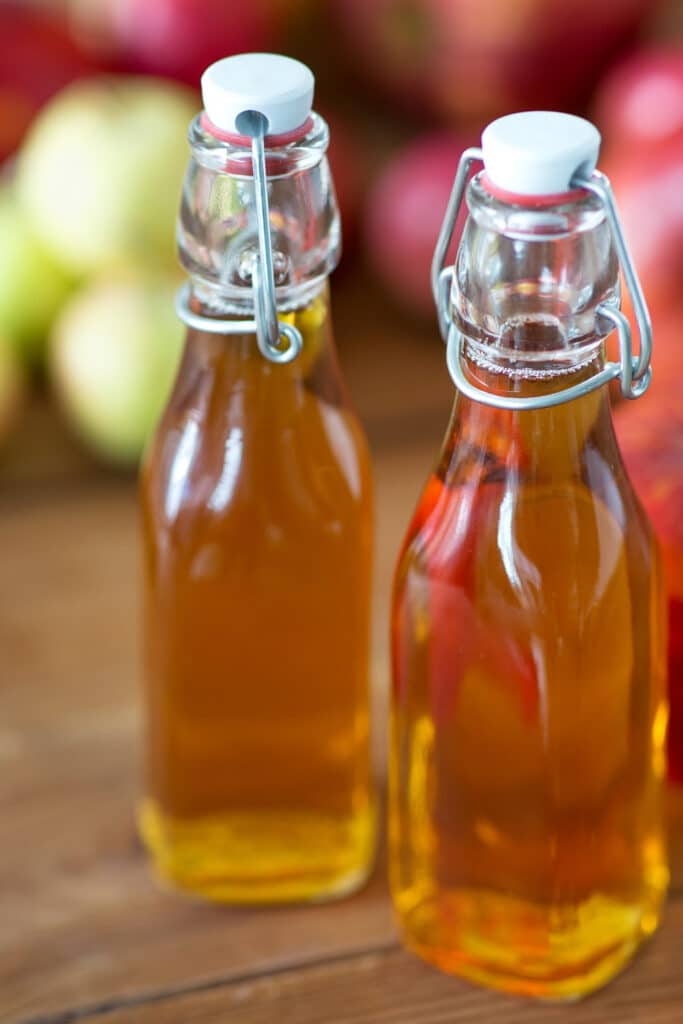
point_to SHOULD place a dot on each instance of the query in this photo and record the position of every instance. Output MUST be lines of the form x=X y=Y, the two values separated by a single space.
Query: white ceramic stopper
x=279 y=87
x=538 y=152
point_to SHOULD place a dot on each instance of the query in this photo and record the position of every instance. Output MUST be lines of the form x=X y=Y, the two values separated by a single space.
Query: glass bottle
x=529 y=714
x=257 y=514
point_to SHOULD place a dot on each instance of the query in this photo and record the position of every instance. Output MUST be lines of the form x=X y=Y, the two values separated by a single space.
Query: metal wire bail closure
x=268 y=329
x=634 y=372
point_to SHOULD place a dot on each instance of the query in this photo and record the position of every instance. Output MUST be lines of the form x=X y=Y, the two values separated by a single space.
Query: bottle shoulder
x=251 y=453
x=512 y=512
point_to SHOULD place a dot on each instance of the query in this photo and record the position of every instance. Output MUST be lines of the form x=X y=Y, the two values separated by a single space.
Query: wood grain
x=392 y=987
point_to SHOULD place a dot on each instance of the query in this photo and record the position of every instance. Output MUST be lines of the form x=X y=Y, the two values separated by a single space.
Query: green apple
x=114 y=353
x=12 y=388
x=32 y=284
x=101 y=171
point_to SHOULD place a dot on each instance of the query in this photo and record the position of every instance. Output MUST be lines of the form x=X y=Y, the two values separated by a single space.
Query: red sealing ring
x=534 y=202
x=270 y=141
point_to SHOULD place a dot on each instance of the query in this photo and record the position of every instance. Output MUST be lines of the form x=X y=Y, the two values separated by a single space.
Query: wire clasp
x=634 y=372
x=269 y=331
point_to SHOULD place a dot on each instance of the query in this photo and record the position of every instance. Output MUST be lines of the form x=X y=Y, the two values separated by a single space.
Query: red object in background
x=640 y=101
x=180 y=38
x=650 y=433
x=477 y=60
x=405 y=210
x=347 y=160
x=639 y=108
x=37 y=58
x=648 y=184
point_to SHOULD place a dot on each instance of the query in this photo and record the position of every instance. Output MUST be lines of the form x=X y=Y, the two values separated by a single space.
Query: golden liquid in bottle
x=529 y=712
x=257 y=510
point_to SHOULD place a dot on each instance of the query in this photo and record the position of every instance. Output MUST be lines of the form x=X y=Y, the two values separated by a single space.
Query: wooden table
x=85 y=934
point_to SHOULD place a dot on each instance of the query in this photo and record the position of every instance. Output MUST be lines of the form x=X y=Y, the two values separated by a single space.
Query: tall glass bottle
x=529 y=713
x=257 y=514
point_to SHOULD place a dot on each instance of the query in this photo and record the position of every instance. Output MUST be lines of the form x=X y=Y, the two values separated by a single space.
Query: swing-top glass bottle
x=529 y=710
x=257 y=514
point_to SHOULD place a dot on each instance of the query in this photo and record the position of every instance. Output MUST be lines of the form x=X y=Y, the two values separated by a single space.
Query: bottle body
x=529 y=711
x=257 y=513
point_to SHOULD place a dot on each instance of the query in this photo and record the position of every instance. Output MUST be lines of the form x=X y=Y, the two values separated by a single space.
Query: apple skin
x=473 y=60
x=37 y=59
x=347 y=162
x=639 y=108
x=33 y=285
x=114 y=353
x=648 y=185
x=100 y=174
x=172 y=38
x=650 y=433
x=405 y=210
x=640 y=100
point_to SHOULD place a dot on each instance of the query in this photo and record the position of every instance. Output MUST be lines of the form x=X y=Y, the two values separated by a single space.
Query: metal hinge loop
x=468 y=157
x=454 y=353
x=635 y=372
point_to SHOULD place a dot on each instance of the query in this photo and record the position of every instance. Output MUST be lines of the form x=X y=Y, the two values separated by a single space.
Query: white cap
x=538 y=152
x=279 y=87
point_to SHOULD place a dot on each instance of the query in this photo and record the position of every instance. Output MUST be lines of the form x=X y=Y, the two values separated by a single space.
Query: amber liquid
x=257 y=511
x=529 y=715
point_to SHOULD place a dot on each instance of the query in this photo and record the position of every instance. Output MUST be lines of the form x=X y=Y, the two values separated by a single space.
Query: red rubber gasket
x=271 y=141
x=534 y=202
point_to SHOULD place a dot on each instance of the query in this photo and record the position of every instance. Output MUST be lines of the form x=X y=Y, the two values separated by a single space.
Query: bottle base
x=521 y=948
x=260 y=858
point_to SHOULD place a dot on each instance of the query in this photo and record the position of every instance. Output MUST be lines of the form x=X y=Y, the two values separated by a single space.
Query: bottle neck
x=218 y=225
x=530 y=281
x=528 y=285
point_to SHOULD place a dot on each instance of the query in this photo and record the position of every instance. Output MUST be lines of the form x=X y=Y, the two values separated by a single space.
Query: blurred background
x=95 y=99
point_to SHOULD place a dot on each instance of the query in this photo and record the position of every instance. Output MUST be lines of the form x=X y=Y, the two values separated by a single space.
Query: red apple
x=347 y=160
x=640 y=101
x=37 y=58
x=179 y=38
x=405 y=210
x=479 y=60
x=648 y=184
x=650 y=433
